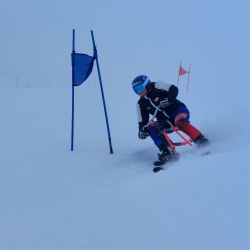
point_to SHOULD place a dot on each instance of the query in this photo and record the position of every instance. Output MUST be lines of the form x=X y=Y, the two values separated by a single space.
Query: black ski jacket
x=147 y=104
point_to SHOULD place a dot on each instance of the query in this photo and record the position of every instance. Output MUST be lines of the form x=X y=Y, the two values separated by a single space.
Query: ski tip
x=206 y=153
x=157 y=169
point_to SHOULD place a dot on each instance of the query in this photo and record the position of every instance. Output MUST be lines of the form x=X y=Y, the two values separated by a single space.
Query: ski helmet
x=139 y=83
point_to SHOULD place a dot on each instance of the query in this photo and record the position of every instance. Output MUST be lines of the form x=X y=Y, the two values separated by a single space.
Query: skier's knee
x=180 y=123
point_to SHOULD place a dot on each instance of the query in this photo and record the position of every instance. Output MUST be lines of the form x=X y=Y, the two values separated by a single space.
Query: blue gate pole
x=73 y=92
x=103 y=99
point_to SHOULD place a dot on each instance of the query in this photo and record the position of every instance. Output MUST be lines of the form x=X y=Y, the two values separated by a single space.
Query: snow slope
x=52 y=198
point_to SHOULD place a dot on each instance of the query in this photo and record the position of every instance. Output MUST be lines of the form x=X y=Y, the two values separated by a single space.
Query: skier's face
x=140 y=90
x=142 y=93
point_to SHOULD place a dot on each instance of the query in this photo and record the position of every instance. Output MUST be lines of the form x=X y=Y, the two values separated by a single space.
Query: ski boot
x=202 y=141
x=166 y=155
x=203 y=144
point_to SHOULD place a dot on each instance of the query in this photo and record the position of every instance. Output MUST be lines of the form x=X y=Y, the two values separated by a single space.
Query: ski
x=205 y=153
x=159 y=163
x=157 y=169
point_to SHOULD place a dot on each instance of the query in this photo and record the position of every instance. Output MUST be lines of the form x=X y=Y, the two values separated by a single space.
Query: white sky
x=132 y=37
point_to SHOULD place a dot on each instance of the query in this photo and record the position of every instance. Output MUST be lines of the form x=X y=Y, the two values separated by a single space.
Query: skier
x=170 y=112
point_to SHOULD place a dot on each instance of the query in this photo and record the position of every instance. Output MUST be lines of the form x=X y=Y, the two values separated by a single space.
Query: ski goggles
x=138 y=89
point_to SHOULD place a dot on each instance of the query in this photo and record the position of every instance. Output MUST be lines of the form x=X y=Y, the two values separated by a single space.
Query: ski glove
x=164 y=103
x=142 y=135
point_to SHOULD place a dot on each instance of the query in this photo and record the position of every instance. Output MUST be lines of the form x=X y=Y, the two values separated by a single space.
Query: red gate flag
x=183 y=72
